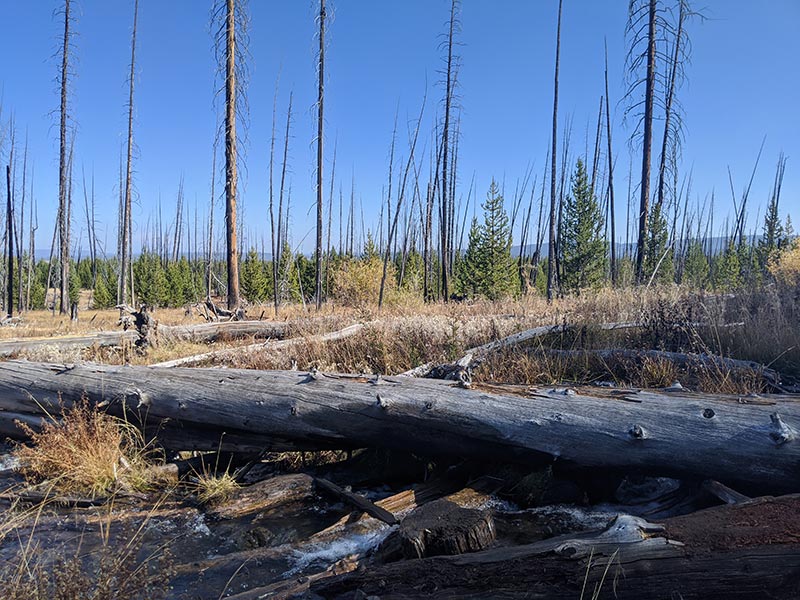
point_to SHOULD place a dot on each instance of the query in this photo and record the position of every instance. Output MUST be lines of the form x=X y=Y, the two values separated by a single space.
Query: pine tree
x=101 y=298
x=469 y=268
x=657 y=254
x=695 y=269
x=728 y=269
x=771 y=236
x=584 y=250
x=254 y=280
x=499 y=276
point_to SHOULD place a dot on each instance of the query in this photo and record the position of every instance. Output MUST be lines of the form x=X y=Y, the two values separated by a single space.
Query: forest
x=582 y=382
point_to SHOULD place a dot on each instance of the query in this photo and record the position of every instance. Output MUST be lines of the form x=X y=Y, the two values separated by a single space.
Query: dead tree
x=611 y=215
x=125 y=286
x=552 y=266
x=272 y=201
x=445 y=199
x=400 y=196
x=10 y=236
x=230 y=41
x=63 y=175
x=646 y=10
x=320 y=127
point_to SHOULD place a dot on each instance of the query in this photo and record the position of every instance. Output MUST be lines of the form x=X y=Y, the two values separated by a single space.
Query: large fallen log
x=748 y=550
x=743 y=442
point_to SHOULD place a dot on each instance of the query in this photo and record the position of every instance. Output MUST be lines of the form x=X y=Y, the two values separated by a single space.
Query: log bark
x=742 y=442
x=747 y=550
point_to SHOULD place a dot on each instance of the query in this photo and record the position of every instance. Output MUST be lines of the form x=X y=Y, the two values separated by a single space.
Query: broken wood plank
x=674 y=433
x=361 y=503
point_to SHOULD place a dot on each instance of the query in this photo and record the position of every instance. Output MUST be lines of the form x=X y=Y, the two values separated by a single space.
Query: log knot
x=382 y=402
x=637 y=432
x=780 y=432
x=709 y=413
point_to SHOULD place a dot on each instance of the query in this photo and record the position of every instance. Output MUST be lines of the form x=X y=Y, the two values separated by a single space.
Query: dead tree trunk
x=647 y=141
x=125 y=277
x=63 y=175
x=10 y=234
x=320 y=124
x=747 y=445
x=230 y=155
x=551 y=250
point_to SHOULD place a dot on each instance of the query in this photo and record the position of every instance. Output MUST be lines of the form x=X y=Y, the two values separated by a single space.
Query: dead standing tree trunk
x=232 y=257
x=446 y=211
x=320 y=127
x=552 y=265
x=10 y=235
x=611 y=215
x=63 y=174
x=647 y=140
x=125 y=278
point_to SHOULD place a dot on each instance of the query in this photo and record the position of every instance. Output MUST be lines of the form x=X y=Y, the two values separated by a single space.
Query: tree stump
x=442 y=528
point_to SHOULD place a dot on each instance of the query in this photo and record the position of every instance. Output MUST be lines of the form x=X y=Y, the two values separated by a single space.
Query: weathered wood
x=442 y=527
x=265 y=495
x=361 y=503
x=278 y=345
x=99 y=339
x=723 y=492
x=743 y=443
x=740 y=551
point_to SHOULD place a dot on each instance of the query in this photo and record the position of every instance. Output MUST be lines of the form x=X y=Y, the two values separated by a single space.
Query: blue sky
x=383 y=56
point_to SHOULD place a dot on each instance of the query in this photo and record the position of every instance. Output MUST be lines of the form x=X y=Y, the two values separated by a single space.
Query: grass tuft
x=87 y=452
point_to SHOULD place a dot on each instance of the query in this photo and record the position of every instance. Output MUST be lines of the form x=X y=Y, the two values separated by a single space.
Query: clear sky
x=743 y=84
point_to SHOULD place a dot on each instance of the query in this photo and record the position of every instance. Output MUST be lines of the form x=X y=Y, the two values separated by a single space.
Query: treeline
x=487 y=268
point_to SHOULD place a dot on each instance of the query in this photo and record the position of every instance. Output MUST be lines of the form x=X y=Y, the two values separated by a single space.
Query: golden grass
x=87 y=452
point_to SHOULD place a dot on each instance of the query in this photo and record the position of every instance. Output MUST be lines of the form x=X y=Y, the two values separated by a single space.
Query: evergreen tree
x=695 y=269
x=727 y=269
x=101 y=298
x=470 y=269
x=657 y=255
x=150 y=280
x=255 y=285
x=499 y=277
x=771 y=235
x=583 y=247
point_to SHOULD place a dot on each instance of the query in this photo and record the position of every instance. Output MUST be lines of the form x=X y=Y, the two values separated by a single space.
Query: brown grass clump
x=87 y=452
x=107 y=574
x=212 y=488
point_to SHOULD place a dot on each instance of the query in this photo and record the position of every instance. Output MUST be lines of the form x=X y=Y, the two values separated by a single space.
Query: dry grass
x=213 y=488
x=88 y=452
x=410 y=333
x=108 y=574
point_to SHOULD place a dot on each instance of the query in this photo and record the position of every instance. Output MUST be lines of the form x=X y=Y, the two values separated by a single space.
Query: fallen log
x=742 y=442
x=99 y=339
x=713 y=362
x=229 y=353
x=740 y=551
x=359 y=502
